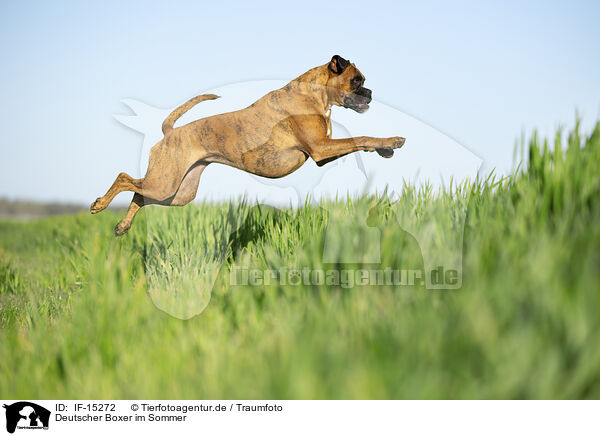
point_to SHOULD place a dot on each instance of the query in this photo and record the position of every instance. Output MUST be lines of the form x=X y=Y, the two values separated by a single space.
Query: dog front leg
x=328 y=149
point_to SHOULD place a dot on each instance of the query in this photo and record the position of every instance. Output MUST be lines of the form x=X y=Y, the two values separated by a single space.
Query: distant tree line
x=26 y=209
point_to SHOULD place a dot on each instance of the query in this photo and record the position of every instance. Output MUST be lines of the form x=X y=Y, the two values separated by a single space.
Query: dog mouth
x=356 y=105
x=359 y=101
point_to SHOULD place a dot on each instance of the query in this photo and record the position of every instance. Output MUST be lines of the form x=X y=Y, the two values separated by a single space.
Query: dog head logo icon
x=26 y=415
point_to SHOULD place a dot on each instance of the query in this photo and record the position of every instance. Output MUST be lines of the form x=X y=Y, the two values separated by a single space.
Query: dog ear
x=338 y=64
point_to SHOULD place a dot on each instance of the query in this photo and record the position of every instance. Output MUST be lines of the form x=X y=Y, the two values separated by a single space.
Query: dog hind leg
x=169 y=161
x=123 y=182
x=185 y=193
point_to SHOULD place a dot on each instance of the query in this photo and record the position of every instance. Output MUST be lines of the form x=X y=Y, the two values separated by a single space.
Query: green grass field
x=84 y=314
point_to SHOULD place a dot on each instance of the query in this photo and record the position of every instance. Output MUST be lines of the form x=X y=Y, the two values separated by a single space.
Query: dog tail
x=167 y=125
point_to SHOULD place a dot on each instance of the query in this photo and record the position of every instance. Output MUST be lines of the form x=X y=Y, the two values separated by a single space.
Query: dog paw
x=96 y=206
x=398 y=142
x=121 y=229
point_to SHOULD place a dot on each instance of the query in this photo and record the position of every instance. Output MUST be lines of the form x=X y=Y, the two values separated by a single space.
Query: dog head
x=345 y=85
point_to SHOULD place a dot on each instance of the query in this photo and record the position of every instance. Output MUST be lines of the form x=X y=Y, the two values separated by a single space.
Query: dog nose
x=366 y=92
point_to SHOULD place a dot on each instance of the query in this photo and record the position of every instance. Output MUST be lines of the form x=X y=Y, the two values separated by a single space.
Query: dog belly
x=272 y=162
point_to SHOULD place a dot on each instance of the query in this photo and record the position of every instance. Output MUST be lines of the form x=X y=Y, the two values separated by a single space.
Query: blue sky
x=479 y=72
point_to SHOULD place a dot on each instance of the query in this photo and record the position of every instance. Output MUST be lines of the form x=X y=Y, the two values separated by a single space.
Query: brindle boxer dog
x=272 y=138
